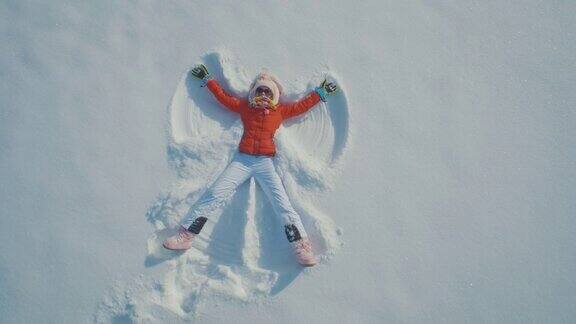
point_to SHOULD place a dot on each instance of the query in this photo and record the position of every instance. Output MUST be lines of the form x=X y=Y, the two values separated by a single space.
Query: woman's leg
x=221 y=191
x=270 y=181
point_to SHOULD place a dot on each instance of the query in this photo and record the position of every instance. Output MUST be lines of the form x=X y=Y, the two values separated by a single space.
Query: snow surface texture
x=242 y=252
x=456 y=198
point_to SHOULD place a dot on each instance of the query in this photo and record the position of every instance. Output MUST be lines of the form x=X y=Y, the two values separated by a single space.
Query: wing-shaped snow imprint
x=242 y=252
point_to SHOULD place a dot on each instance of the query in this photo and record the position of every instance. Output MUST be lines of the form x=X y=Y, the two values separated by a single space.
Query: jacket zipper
x=260 y=134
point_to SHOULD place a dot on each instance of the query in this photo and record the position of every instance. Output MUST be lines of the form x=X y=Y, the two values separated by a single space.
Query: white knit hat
x=269 y=81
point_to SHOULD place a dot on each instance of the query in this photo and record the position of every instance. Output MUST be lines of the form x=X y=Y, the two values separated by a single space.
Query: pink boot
x=180 y=241
x=303 y=251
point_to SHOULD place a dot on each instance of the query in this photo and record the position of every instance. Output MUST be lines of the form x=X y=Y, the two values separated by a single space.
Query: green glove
x=325 y=89
x=201 y=72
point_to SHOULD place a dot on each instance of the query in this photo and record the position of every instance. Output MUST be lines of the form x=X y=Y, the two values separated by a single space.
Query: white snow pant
x=242 y=168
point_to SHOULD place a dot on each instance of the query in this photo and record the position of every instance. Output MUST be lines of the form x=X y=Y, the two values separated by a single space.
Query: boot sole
x=167 y=248
x=308 y=265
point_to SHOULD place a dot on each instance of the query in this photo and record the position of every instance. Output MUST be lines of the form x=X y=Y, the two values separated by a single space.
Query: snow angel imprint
x=261 y=114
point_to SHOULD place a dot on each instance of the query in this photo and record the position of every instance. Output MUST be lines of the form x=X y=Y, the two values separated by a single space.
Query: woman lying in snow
x=261 y=115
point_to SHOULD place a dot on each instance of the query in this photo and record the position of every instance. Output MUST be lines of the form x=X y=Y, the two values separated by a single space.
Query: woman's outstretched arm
x=301 y=106
x=232 y=103
x=306 y=103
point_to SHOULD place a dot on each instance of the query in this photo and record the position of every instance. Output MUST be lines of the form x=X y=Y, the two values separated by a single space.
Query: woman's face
x=263 y=91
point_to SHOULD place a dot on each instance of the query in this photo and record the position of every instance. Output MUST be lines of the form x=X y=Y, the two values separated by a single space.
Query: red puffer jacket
x=259 y=127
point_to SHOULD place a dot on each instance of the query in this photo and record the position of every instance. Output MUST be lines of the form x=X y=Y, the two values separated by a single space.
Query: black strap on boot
x=292 y=233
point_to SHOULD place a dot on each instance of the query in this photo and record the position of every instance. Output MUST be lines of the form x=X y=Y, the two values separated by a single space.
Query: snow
x=241 y=253
x=438 y=186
